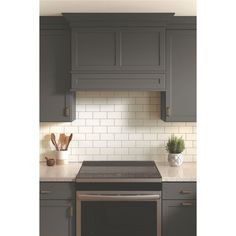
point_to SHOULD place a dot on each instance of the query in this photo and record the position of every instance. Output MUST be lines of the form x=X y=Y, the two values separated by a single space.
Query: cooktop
x=118 y=171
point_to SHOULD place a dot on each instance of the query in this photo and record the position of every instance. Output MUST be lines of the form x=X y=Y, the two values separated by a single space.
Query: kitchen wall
x=116 y=126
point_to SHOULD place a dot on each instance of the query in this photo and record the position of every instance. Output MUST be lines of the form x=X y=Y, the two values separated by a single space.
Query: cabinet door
x=57 y=218
x=56 y=102
x=142 y=49
x=179 y=101
x=179 y=218
x=93 y=49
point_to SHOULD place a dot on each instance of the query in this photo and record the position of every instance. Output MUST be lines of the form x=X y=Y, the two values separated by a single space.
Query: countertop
x=186 y=172
x=58 y=173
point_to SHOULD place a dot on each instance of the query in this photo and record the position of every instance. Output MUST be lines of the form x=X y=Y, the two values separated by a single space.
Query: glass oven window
x=113 y=218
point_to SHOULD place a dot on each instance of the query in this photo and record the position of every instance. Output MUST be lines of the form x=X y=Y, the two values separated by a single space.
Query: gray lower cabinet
x=178 y=103
x=57 y=218
x=179 y=209
x=57 y=103
x=57 y=209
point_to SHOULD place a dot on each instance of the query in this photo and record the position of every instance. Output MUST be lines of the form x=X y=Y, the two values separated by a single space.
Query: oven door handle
x=101 y=197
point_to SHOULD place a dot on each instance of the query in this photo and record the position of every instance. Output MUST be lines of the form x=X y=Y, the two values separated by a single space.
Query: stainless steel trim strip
x=120 y=180
x=96 y=197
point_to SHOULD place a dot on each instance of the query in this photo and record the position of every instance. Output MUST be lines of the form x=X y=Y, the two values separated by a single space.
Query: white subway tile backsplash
x=85 y=115
x=78 y=137
x=92 y=136
x=121 y=108
x=121 y=137
x=107 y=107
x=118 y=125
x=85 y=129
x=186 y=130
x=107 y=136
x=92 y=122
x=149 y=136
x=71 y=129
x=92 y=151
x=80 y=107
x=100 y=129
x=92 y=108
x=114 y=144
x=55 y=129
x=121 y=151
x=128 y=143
x=78 y=122
x=142 y=143
x=107 y=151
x=114 y=115
x=100 y=143
x=114 y=129
x=107 y=122
x=99 y=115
x=135 y=136
x=86 y=143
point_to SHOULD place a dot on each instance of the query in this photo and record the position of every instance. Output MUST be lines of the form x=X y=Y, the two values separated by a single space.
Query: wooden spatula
x=62 y=141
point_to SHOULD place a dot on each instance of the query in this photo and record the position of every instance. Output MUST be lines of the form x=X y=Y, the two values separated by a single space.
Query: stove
x=118 y=171
x=118 y=198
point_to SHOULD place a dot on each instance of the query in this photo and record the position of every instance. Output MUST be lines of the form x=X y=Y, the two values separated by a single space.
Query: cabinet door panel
x=180 y=97
x=56 y=218
x=179 y=218
x=142 y=49
x=93 y=48
x=54 y=76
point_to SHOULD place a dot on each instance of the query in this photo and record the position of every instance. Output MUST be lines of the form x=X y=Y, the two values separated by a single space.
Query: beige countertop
x=58 y=173
x=186 y=172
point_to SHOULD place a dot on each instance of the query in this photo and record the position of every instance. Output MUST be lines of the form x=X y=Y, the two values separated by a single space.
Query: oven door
x=118 y=213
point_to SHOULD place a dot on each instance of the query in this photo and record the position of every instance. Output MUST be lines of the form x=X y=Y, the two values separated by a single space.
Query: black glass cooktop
x=115 y=170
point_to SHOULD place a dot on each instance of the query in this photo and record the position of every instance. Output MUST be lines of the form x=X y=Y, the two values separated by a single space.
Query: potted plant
x=175 y=146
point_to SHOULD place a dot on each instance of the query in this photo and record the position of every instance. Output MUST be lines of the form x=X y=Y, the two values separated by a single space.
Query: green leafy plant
x=175 y=145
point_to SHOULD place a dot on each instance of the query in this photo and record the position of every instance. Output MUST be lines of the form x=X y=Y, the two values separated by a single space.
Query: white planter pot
x=175 y=159
x=62 y=157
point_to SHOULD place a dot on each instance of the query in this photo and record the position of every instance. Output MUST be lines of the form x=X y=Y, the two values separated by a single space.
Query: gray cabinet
x=57 y=103
x=179 y=209
x=178 y=103
x=57 y=218
x=57 y=209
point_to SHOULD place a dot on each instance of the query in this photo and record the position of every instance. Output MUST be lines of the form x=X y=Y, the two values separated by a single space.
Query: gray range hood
x=118 y=51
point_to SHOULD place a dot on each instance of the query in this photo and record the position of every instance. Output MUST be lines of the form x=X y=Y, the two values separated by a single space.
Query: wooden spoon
x=53 y=139
x=68 y=142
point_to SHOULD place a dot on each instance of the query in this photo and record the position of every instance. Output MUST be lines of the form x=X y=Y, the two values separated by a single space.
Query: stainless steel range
x=118 y=198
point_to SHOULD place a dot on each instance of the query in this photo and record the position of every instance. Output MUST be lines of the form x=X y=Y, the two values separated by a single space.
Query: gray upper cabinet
x=178 y=103
x=56 y=100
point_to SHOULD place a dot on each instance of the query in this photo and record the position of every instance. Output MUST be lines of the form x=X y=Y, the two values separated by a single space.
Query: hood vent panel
x=118 y=51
